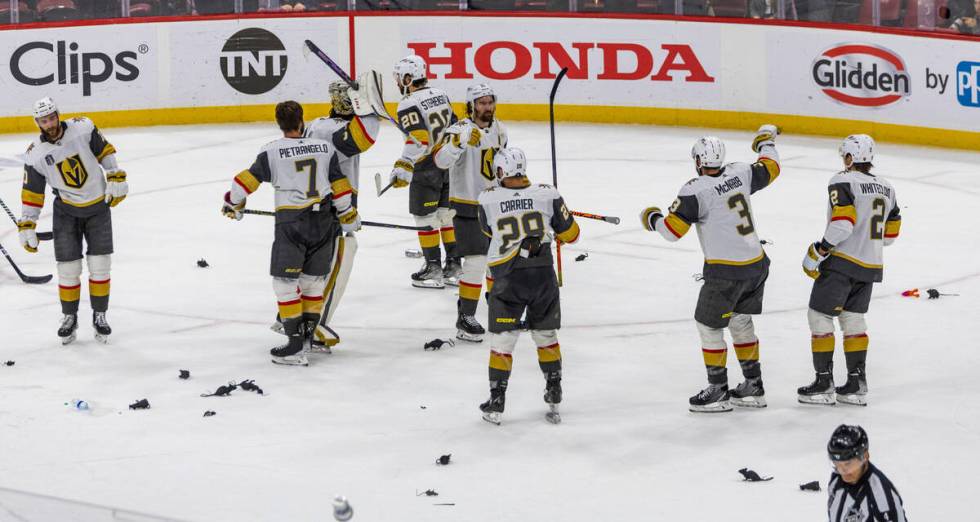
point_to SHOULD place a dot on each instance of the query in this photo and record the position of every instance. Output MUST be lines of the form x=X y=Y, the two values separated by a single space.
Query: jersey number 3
x=739 y=205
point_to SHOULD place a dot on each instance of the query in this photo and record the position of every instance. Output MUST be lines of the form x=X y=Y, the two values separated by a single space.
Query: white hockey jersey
x=305 y=173
x=470 y=168
x=510 y=216
x=720 y=206
x=862 y=218
x=350 y=137
x=425 y=114
x=71 y=166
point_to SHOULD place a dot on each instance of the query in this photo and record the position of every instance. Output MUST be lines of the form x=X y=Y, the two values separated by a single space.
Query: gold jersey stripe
x=84 y=204
x=772 y=167
x=570 y=235
x=464 y=201
x=359 y=134
x=504 y=259
x=248 y=181
x=678 y=226
x=735 y=263
x=32 y=198
x=856 y=261
x=844 y=212
x=340 y=186
x=892 y=228
x=308 y=204
x=108 y=149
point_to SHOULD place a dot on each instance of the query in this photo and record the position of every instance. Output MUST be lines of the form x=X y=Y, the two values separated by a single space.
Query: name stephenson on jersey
x=304 y=171
x=470 y=168
x=863 y=218
x=425 y=114
x=509 y=216
x=720 y=207
x=71 y=166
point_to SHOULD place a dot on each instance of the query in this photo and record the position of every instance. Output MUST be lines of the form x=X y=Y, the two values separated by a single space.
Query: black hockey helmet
x=847 y=442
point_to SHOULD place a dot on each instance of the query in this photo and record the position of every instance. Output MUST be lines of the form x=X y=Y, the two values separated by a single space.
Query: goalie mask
x=412 y=66
x=509 y=163
x=340 y=99
x=710 y=151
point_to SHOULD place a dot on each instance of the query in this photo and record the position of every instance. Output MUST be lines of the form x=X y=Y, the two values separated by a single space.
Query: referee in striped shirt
x=859 y=492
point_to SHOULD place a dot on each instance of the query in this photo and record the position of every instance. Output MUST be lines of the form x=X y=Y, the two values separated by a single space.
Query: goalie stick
x=42 y=236
x=31 y=280
x=364 y=223
x=554 y=161
x=353 y=84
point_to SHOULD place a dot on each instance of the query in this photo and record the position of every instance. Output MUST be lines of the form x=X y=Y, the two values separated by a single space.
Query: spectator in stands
x=762 y=9
x=292 y=6
x=967 y=23
x=954 y=11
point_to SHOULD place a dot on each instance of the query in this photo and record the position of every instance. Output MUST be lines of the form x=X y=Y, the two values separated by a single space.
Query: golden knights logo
x=487 y=163
x=73 y=172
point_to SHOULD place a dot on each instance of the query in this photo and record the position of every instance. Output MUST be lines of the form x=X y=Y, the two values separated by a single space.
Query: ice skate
x=68 y=328
x=101 y=325
x=820 y=391
x=469 y=329
x=552 y=397
x=277 y=326
x=855 y=391
x=452 y=271
x=713 y=399
x=291 y=353
x=430 y=276
x=749 y=394
x=493 y=409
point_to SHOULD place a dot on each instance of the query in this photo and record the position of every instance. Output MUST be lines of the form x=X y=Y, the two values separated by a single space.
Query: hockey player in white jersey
x=735 y=265
x=352 y=128
x=862 y=218
x=521 y=220
x=311 y=194
x=425 y=113
x=74 y=158
x=467 y=150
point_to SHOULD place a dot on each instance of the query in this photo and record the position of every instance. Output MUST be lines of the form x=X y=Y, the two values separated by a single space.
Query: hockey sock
x=429 y=241
x=469 y=297
x=449 y=241
x=855 y=351
x=98 y=293
x=549 y=358
x=748 y=359
x=69 y=295
x=715 y=360
x=822 y=346
x=500 y=366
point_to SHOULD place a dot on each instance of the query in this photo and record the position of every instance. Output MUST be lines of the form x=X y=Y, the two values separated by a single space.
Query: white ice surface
x=354 y=423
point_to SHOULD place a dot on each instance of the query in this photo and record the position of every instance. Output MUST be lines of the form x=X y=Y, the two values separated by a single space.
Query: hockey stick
x=353 y=84
x=554 y=161
x=31 y=280
x=378 y=181
x=43 y=236
x=608 y=219
x=364 y=223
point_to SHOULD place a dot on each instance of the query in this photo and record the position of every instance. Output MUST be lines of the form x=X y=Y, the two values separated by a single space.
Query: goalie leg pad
x=345 y=248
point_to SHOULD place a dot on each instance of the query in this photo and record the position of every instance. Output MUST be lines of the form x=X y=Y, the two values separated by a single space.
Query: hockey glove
x=812 y=260
x=350 y=220
x=366 y=99
x=116 y=187
x=649 y=218
x=766 y=135
x=401 y=175
x=232 y=210
x=28 y=234
x=475 y=137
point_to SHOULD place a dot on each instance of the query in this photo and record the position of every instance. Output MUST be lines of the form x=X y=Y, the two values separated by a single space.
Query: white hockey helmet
x=478 y=90
x=860 y=146
x=509 y=163
x=710 y=150
x=340 y=98
x=412 y=66
x=44 y=107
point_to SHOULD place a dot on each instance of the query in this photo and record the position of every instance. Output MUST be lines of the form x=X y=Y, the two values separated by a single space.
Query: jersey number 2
x=311 y=165
x=878 y=219
x=738 y=204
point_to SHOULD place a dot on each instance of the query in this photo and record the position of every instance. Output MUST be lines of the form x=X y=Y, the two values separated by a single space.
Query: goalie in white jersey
x=75 y=159
x=520 y=219
x=862 y=218
x=425 y=113
x=311 y=194
x=352 y=128
x=467 y=151
x=735 y=265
